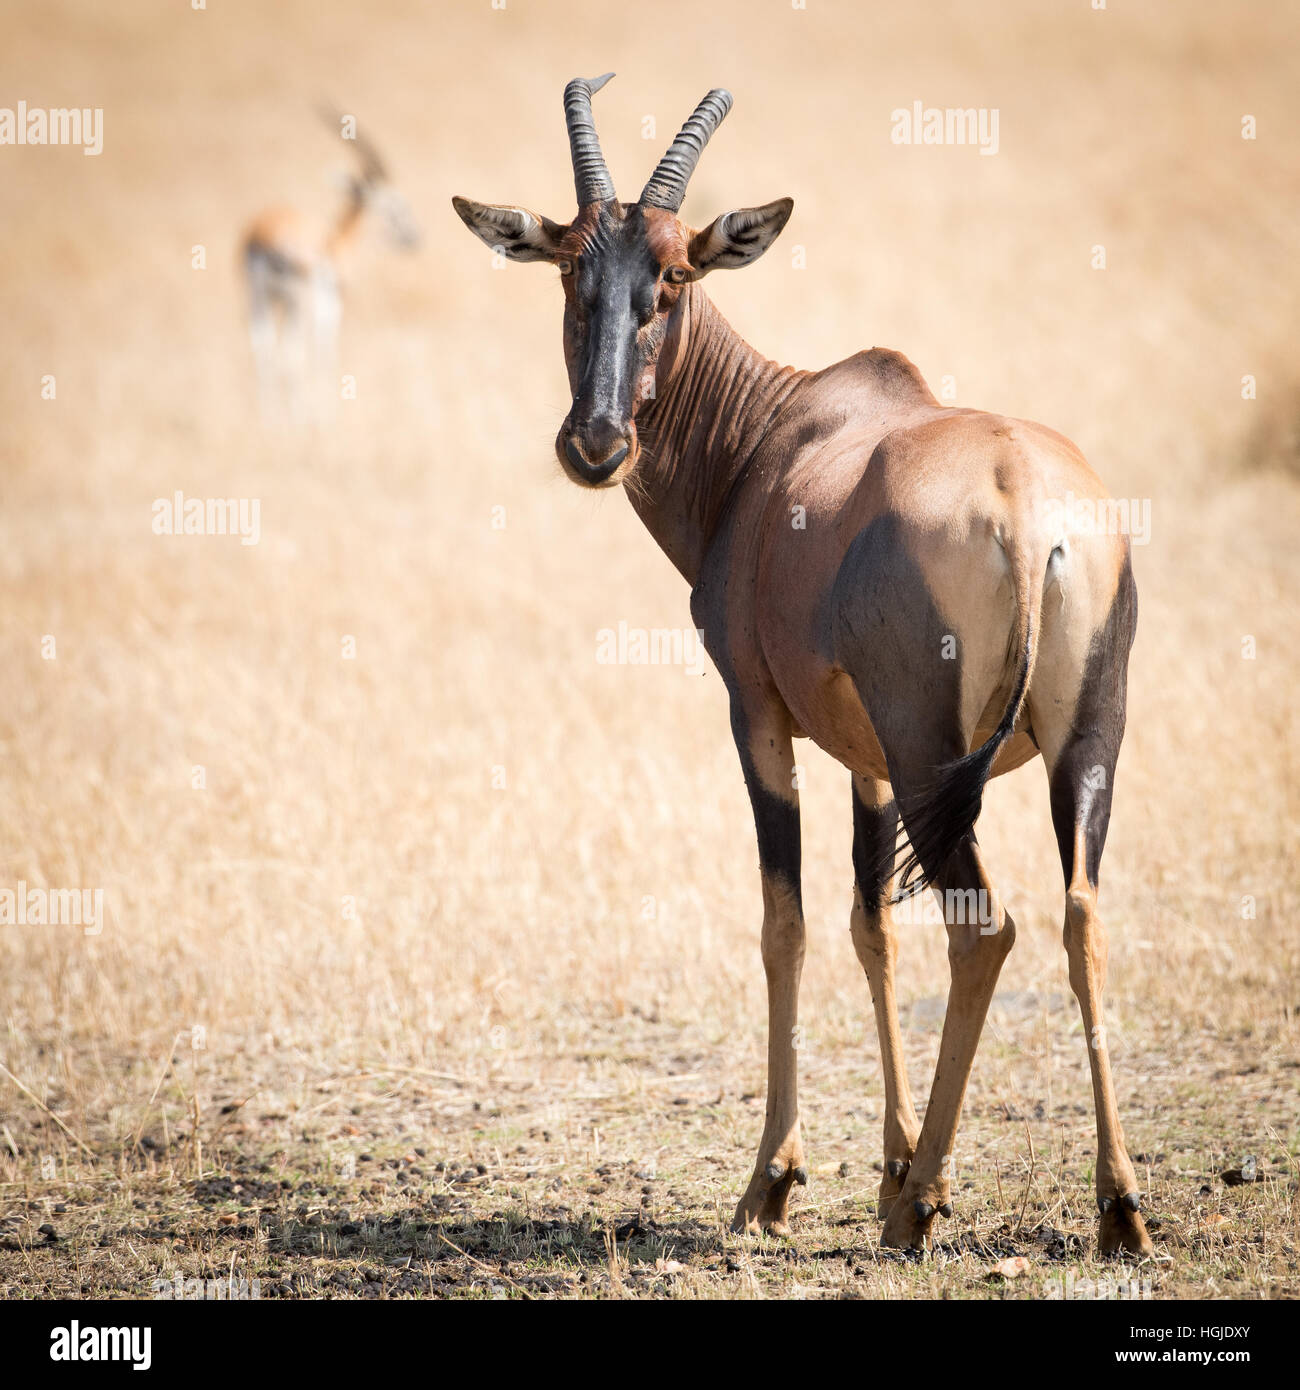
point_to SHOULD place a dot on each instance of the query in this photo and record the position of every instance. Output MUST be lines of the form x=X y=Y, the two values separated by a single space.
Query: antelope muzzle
x=597 y=451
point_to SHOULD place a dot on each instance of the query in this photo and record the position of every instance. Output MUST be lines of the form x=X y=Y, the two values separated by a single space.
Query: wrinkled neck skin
x=715 y=399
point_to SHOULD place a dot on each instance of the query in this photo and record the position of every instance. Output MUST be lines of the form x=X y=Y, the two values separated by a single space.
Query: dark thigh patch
x=1084 y=776
x=875 y=832
x=888 y=634
x=776 y=817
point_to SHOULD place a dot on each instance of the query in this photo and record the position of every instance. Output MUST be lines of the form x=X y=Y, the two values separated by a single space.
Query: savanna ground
x=446 y=980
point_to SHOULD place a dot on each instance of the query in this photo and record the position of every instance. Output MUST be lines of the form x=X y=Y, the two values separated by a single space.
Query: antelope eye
x=564 y=267
x=675 y=274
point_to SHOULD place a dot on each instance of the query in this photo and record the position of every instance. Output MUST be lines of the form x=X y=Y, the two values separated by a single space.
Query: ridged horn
x=372 y=166
x=667 y=186
x=591 y=178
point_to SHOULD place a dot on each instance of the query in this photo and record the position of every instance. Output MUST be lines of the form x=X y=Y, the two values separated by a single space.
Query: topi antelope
x=294 y=278
x=888 y=577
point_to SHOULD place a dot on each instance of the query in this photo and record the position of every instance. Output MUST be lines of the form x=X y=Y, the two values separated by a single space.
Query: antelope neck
x=715 y=399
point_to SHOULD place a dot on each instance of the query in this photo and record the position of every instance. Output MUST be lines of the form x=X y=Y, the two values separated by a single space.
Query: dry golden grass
x=501 y=995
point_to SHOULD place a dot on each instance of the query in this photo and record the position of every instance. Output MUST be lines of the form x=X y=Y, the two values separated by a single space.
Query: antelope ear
x=515 y=233
x=739 y=237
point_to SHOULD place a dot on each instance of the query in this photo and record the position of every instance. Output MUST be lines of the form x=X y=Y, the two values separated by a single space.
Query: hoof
x=908 y=1224
x=1122 y=1229
x=759 y=1226
x=765 y=1207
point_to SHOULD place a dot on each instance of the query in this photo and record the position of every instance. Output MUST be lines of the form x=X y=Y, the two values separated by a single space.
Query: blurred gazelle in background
x=295 y=276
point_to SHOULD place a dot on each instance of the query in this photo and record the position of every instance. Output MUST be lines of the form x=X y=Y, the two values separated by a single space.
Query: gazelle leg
x=295 y=353
x=980 y=933
x=763 y=739
x=261 y=336
x=325 y=331
x=875 y=938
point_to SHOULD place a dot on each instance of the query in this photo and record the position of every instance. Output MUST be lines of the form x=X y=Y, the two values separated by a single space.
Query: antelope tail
x=937 y=819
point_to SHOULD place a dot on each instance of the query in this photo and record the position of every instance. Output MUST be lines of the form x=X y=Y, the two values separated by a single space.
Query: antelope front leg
x=764 y=743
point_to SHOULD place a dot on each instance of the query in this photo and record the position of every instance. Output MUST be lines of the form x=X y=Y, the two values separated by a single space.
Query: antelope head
x=371 y=190
x=623 y=268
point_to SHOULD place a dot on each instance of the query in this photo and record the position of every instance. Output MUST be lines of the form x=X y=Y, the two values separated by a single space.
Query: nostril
x=574 y=451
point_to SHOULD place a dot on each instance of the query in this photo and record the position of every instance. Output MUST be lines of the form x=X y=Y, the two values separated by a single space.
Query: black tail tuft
x=939 y=818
